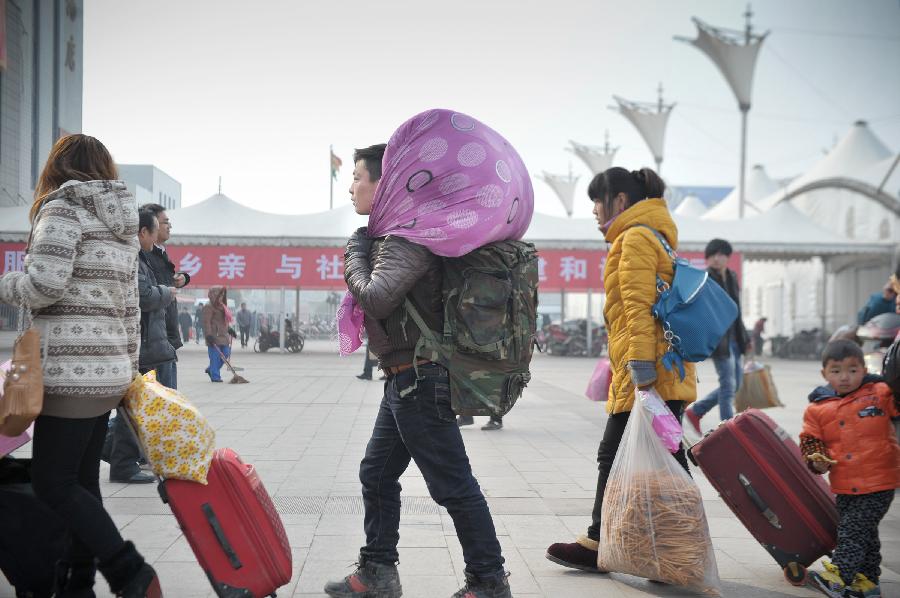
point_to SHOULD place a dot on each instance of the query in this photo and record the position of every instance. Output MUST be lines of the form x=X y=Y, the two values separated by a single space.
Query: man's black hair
x=153 y=208
x=372 y=156
x=840 y=350
x=147 y=219
x=718 y=246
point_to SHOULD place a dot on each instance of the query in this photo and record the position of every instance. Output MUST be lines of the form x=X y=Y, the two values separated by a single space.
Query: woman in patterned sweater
x=80 y=288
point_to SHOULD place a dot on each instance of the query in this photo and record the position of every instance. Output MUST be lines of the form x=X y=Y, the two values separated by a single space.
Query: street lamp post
x=734 y=53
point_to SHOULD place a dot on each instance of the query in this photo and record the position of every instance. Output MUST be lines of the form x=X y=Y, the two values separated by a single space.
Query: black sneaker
x=464 y=420
x=495 y=587
x=364 y=377
x=370 y=580
x=493 y=424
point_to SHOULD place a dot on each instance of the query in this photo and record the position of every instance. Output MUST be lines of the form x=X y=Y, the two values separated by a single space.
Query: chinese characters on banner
x=261 y=267
x=323 y=267
x=581 y=269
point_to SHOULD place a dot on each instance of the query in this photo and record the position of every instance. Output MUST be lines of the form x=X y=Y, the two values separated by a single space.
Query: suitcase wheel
x=795 y=574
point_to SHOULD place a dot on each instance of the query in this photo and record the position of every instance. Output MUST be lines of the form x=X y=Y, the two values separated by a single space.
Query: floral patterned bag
x=175 y=437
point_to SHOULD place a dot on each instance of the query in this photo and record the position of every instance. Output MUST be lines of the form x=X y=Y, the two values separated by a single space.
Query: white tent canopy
x=782 y=231
x=840 y=192
x=857 y=152
x=220 y=220
x=759 y=186
x=885 y=175
x=691 y=206
x=220 y=216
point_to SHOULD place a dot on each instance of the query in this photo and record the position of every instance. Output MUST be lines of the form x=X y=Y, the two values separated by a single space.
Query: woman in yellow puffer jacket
x=625 y=203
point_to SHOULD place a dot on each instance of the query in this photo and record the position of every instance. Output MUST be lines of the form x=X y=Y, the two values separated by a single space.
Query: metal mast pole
x=734 y=53
x=743 y=174
x=659 y=108
x=745 y=109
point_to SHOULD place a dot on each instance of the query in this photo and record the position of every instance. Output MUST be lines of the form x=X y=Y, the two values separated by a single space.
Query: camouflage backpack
x=490 y=311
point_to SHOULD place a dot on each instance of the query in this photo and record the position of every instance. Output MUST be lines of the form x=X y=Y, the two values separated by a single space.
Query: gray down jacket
x=154 y=299
x=381 y=273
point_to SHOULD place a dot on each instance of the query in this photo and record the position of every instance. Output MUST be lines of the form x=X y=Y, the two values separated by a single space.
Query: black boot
x=75 y=579
x=496 y=586
x=370 y=580
x=129 y=576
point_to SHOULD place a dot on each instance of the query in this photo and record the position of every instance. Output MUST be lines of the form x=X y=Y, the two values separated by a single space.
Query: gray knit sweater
x=80 y=283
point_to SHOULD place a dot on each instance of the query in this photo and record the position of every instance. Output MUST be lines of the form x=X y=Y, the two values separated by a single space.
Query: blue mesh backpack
x=695 y=312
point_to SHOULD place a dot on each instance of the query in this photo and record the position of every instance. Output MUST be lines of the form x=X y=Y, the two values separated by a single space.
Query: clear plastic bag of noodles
x=653 y=522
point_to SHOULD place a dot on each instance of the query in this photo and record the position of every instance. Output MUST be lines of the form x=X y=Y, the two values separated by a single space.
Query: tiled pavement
x=303 y=421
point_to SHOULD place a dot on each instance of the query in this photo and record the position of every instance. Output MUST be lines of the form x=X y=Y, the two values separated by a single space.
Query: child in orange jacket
x=848 y=432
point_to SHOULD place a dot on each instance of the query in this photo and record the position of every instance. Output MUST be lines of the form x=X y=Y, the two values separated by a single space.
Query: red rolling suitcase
x=760 y=474
x=233 y=528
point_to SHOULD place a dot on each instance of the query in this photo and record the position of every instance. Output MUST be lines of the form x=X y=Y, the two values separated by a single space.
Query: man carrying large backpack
x=415 y=420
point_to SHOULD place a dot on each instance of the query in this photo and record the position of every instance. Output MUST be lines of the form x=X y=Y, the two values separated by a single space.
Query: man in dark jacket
x=415 y=420
x=166 y=275
x=186 y=323
x=155 y=352
x=728 y=355
x=198 y=323
x=244 y=319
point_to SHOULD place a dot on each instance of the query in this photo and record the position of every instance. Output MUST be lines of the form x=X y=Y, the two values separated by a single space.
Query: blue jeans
x=167 y=374
x=215 y=360
x=731 y=373
x=422 y=426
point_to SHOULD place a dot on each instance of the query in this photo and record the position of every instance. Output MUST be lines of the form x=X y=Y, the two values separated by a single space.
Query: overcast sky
x=256 y=91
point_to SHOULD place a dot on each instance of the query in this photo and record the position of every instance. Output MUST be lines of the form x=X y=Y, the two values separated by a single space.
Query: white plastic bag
x=653 y=522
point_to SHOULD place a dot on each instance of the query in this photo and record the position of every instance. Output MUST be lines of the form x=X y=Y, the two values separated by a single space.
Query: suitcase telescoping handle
x=759 y=502
x=220 y=536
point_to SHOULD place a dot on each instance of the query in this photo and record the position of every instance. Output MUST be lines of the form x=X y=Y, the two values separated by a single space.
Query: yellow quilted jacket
x=635 y=258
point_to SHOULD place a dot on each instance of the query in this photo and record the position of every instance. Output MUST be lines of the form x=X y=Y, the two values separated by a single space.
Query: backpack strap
x=428 y=344
x=425 y=333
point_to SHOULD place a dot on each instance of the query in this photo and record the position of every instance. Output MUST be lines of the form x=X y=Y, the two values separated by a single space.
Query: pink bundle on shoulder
x=450 y=183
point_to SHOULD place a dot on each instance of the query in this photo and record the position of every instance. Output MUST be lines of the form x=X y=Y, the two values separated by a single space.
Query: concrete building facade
x=40 y=88
x=150 y=184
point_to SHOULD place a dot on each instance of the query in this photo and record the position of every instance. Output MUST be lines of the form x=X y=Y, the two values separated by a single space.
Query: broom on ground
x=235 y=377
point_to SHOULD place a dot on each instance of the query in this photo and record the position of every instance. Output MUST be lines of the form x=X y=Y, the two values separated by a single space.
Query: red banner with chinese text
x=311 y=268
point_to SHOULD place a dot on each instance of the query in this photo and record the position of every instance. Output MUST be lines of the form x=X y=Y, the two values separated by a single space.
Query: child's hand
x=820 y=462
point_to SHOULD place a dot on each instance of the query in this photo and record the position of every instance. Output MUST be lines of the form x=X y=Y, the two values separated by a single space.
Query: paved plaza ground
x=304 y=420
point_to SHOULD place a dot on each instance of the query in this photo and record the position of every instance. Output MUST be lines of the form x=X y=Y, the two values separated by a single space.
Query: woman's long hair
x=76 y=157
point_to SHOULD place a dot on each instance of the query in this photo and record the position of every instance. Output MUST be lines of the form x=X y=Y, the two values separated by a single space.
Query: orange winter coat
x=635 y=258
x=858 y=433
